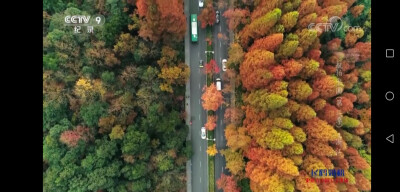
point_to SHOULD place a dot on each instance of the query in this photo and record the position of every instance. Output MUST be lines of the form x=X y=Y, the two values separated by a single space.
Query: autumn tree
x=299 y=90
x=234 y=161
x=236 y=17
x=212 y=150
x=99 y=55
x=174 y=75
x=236 y=137
x=236 y=55
x=320 y=129
x=260 y=26
x=262 y=100
x=165 y=21
x=227 y=183
x=212 y=67
x=212 y=98
x=269 y=43
x=207 y=15
x=125 y=44
x=254 y=71
x=328 y=86
x=211 y=122
x=233 y=115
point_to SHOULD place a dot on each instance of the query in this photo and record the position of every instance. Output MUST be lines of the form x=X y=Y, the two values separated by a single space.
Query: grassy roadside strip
x=211 y=177
x=211 y=173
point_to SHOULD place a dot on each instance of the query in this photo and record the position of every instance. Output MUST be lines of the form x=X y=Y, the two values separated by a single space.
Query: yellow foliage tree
x=234 y=161
x=83 y=88
x=212 y=150
x=236 y=138
x=117 y=132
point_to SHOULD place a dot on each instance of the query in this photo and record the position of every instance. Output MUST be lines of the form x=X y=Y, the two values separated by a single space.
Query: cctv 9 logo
x=84 y=20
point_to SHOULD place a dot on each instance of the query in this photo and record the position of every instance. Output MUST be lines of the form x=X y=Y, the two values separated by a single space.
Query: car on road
x=217 y=16
x=203 y=132
x=218 y=84
x=201 y=63
x=223 y=64
x=201 y=3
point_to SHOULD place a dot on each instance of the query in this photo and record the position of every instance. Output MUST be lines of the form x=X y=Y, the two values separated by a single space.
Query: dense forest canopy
x=113 y=100
x=302 y=95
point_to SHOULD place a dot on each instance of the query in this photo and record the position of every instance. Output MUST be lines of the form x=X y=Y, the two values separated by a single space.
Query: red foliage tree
x=212 y=67
x=330 y=114
x=70 y=138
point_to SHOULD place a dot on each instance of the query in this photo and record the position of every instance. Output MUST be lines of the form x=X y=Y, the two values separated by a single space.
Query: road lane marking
x=220 y=28
x=200 y=163
x=220 y=44
x=199 y=116
x=222 y=170
x=199 y=85
x=198 y=54
x=200 y=147
x=222 y=138
x=200 y=179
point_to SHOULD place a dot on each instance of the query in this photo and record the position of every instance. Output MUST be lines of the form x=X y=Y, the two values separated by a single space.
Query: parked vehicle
x=218 y=84
x=203 y=132
x=223 y=64
x=201 y=63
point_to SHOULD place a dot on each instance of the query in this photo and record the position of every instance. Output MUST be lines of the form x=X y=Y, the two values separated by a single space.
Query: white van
x=218 y=84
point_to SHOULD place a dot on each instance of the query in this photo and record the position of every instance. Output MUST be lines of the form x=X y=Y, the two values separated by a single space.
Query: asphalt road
x=221 y=52
x=198 y=170
x=199 y=161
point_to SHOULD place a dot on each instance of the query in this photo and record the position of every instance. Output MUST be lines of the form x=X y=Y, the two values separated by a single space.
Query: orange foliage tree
x=207 y=15
x=212 y=98
x=165 y=21
x=235 y=17
x=211 y=122
x=269 y=43
x=227 y=183
x=254 y=71
x=320 y=129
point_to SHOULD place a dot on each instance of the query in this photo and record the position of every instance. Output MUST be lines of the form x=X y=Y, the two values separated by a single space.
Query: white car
x=203 y=132
x=201 y=3
x=223 y=64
